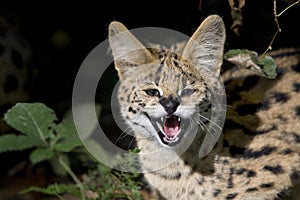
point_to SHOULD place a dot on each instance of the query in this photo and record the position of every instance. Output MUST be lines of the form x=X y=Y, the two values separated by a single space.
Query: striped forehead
x=172 y=72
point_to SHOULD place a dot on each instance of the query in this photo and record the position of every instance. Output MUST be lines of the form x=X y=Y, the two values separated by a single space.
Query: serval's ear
x=128 y=52
x=205 y=48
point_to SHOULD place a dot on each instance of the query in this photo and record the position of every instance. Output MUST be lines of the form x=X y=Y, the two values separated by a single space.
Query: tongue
x=171 y=126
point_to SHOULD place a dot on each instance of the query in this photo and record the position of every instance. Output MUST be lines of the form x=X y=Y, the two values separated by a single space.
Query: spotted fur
x=257 y=156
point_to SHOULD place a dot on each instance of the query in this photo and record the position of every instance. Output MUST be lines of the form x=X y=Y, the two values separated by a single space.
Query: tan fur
x=257 y=156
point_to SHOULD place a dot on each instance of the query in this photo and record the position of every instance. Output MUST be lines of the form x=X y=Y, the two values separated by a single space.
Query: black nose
x=170 y=104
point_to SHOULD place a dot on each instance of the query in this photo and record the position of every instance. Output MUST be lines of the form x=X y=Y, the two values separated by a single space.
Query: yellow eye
x=152 y=92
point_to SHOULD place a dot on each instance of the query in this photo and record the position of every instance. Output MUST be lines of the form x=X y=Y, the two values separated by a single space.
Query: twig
x=296 y=2
x=270 y=45
x=276 y=19
x=277 y=23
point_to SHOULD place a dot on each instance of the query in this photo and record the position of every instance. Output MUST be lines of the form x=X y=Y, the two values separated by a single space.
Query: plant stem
x=270 y=45
x=60 y=197
x=277 y=23
x=276 y=19
x=288 y=8
x=74 y=177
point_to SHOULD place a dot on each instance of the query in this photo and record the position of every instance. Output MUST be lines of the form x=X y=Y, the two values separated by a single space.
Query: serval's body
x=164 y=95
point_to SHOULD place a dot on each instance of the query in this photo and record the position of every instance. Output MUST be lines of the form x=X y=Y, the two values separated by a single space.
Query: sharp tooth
x=162 y=119
x=179 y=119
x=177 y=133
x=160 y=128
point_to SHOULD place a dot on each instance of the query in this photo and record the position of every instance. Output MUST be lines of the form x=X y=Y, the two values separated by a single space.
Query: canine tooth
x=162 y=119
x=160 y=128
x=179 y=119
x=177 y=133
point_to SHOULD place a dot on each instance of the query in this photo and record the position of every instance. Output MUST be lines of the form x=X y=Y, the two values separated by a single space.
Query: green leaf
x=31 y=119
x=57 y=168
x=66 y=129
x=268 y=66
x=53 y=189
x=68 y=136
x=236 y=52
x=68 y=145
x=41 y=154
x=264 y=66
x=11 y=142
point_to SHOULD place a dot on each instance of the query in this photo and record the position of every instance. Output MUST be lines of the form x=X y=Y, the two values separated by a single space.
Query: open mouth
x=168 y=129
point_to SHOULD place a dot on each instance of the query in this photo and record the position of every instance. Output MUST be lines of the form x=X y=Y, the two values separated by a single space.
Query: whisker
x=203 y=126
x=212 y=129
x=214 y=123
x=199 y=122
x=123 y=135
x=215 y=127
x=131 y=141
x=126 y=133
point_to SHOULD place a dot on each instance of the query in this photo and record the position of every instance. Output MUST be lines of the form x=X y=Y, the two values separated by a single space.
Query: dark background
x=82 y=25
x=63 y=33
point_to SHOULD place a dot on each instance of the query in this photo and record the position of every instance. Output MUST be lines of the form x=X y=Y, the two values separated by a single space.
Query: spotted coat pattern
x=258 y=154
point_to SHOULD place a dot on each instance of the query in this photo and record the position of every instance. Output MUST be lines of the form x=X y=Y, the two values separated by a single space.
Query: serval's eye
x=152 y=92
x=187 y=92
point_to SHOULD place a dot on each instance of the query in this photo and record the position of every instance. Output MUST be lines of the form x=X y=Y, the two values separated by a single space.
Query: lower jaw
x=167 y=142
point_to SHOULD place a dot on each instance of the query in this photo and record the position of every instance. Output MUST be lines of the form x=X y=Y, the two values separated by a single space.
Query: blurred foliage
x=49 y=141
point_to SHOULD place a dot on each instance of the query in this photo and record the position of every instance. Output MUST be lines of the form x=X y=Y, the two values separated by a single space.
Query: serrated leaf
x=31 y=119
x=265 y=66
x=66 y=129
x=68 y=137
x=40 y=154
x=67 y=145
x=53 y=189
x=11 y=142
x=235 y=52
x=268 y=66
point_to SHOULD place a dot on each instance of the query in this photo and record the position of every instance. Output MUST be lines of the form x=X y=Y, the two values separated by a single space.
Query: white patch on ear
x=126 y=49
x=205 y=48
